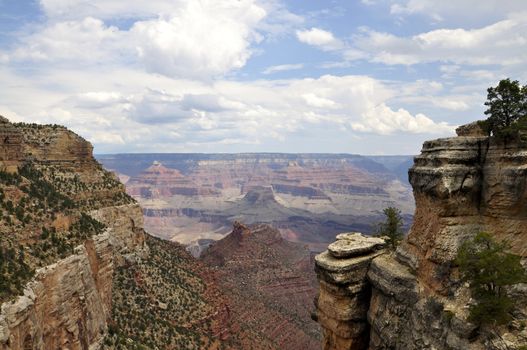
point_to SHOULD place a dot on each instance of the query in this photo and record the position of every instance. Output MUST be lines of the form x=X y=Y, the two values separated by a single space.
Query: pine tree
x=507 y=104
x=392 y=226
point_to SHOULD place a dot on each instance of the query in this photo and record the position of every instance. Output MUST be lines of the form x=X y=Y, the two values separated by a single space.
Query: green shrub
x=490 y=270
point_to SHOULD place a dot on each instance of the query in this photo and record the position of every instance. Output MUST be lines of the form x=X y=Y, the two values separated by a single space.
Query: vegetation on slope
x=269 y=285
x=46 y=200
x=164 y=302
x=39 y=224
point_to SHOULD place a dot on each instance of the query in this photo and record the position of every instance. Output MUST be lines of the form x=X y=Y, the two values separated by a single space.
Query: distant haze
x=195 y=198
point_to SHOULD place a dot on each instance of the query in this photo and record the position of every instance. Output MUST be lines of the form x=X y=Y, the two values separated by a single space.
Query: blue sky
x=368 y=77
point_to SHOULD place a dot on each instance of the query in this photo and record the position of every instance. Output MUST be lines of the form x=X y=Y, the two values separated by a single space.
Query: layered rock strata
x=67 y=304
x=462 y=185
x=342 y=303
x=309 y=197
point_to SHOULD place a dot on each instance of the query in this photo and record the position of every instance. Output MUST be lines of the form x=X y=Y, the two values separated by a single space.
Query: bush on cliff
x=391 y=227
x=490 y=270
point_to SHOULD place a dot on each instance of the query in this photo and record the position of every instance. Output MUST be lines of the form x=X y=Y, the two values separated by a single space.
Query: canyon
x=195 y=198
x=80 y=272
x=270 y=286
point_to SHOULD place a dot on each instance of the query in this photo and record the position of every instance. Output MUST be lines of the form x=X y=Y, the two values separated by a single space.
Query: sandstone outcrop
x=67 y=305
x=11 y=152
x=462 y=185
x=471 y=129
x=342 y=303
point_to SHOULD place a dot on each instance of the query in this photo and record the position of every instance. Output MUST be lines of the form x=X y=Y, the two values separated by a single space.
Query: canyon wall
x=67 y=303
x=308 y=197
x=462 y=186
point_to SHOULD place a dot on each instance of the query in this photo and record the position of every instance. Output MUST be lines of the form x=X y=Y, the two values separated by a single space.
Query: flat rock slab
x=354 y=244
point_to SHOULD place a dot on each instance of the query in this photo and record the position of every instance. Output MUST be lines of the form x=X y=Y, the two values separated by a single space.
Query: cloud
x=161 y=107
x=282 y=68
x=209 y=103
x=107 y=9
x=319 y=38
x=193 y=39
x=180 y=116
x=319 y=102
x=502 y=43
x=10 y=114
x=104 y=137
x=88 y=40
x=159 y=75
x=202 y=39
x=100 y=99
x=383 y=120
x=157 y=107
x=443 y=10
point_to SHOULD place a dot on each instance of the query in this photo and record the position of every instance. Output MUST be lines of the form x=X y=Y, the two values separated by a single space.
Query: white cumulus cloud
x=192 y=39
x=383 y=120
x=320 y=38
x=87 y=40
x=204 y=38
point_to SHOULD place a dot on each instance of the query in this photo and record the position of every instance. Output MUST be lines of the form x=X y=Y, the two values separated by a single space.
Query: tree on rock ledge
x=507 y=108
x=391 y=227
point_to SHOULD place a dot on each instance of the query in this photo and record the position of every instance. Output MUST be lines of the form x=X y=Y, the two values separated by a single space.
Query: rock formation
x=342 y=303
x=77 y=270
x=68 y=301
x=462 y=185
x=269 y=285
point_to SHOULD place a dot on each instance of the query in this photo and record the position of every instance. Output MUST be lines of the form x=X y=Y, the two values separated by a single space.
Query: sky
x=318 y=76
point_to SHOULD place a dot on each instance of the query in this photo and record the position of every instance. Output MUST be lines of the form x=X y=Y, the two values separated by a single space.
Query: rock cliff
x=72 y=225
x=462 y=185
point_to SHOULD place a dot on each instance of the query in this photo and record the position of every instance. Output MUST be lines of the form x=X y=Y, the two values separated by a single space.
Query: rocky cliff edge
x=413 y=298
x=67 y=303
